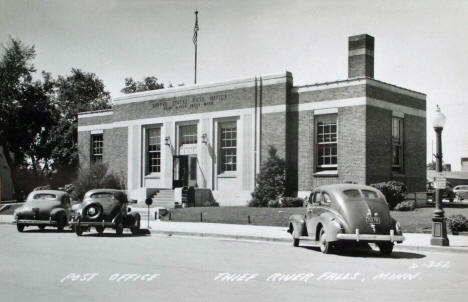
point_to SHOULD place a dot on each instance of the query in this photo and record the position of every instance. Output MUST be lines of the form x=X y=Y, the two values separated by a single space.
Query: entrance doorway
x=185 y=171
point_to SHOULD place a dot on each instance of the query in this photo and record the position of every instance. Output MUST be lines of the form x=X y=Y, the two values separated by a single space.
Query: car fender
x=332 y=225
x=57 y=211
x=297 y=226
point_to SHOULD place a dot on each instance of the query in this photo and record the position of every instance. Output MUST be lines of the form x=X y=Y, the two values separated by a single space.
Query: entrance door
x=185 y=171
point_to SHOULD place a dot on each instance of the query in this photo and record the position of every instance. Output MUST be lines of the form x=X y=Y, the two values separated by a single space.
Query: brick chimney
x=361 y=56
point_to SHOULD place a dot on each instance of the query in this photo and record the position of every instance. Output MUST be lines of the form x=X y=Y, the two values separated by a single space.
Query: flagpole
x=195 y=41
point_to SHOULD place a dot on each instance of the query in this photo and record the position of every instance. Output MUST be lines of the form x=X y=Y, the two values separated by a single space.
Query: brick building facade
x=217 y=135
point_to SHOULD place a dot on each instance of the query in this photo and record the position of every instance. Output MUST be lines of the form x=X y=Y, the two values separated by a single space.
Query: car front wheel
x=20 y=227
x=325 y=246
x=385 y=248
x=100 y=229
x=136 y=228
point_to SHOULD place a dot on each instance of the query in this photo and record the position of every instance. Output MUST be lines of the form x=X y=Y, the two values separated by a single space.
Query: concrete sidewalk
x=413 y=241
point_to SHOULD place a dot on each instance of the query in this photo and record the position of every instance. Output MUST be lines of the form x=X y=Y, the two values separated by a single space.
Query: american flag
x=195 y=29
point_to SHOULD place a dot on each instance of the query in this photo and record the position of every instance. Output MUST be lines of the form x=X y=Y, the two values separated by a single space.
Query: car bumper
x=92 y=223
x=371 y=237
x=35 y=222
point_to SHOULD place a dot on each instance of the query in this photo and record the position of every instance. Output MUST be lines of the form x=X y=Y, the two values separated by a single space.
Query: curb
x=226 y=236
x=454 y=250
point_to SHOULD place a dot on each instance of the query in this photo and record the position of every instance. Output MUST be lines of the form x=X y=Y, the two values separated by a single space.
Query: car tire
x=61 y=222
x=386 y=248
x=41 y=227
x=325 y=246
x=78 y=230
x=20 y=227
x=136 y=228
x=296 y=242
x=119 y=229
x=100 y=229
x=96 y=214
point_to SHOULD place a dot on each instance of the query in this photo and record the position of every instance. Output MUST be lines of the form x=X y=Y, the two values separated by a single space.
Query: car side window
x=317 y=197
x=311 y=198
x=326 y=199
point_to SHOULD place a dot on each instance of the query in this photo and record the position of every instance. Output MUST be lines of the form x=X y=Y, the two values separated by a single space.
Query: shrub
x=274 y=203
x=457 y=223
x=407 y=205
x=291 y=202
x=393 y=191
x=271 y=181
x=96 y=176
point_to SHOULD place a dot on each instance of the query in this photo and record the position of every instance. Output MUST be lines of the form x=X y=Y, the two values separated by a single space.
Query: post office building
x=216 y=136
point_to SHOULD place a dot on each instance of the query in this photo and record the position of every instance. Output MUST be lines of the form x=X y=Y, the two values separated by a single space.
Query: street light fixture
x=439 y=228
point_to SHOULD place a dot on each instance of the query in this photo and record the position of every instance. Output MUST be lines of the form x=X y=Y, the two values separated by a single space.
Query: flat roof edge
x=193 y=87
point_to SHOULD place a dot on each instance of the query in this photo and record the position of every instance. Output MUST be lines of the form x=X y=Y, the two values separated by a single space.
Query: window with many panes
x=153 y=150
x=327 y=153
x=228 y=146
x=188 y=134
x=97 y=146
x=397 y=144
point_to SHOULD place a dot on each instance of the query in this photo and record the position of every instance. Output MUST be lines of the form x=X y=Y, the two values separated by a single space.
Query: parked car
x=105 y=208
x=344 y=213
x=461 y=192
x=44 y=208
x=447 y=193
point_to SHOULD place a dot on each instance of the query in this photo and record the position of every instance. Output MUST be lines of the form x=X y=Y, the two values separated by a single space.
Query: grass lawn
x=417 y=221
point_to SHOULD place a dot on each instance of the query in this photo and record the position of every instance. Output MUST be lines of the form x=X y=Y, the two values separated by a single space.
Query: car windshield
x=44 y=196
x=102 y=195
x=352 y=193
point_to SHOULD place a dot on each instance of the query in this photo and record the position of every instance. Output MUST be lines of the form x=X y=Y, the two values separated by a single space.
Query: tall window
x=153 y=142
x=188 y=134
x=397 y=144
x=228 y=146
x=327 y=154
x=97 y=144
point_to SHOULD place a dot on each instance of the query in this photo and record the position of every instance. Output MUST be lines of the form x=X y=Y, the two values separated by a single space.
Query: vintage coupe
x=44 y=208
x=345 y=213
x=105 y=208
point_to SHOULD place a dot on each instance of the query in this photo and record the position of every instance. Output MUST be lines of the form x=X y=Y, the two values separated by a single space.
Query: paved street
x=40 y=266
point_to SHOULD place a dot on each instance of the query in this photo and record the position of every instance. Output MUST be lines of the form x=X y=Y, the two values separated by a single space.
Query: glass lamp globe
x=438 y=119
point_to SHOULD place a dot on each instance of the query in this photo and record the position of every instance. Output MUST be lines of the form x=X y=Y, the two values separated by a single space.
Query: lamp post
x=439 y=228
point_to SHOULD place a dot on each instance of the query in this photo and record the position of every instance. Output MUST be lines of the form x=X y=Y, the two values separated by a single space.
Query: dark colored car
x=105 y=208
x=44 y=208
x=346 y=213
x=447 y=193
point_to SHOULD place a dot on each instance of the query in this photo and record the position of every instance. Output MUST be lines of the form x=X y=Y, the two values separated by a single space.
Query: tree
x=78 y=92
x=148 y=83
x=26 y=114
x=271 y=181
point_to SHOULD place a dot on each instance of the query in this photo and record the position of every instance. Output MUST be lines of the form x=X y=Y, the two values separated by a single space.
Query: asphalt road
x=45 y=266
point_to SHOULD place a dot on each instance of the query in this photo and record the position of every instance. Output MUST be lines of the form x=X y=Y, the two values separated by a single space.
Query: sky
x=419 y=45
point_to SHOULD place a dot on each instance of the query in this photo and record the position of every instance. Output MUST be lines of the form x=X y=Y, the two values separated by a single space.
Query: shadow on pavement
x=45 y=231
x=368 y=252
x=141 y=233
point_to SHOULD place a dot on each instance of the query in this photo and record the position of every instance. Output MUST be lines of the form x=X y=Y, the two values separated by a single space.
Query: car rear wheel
x=20 y=227
x=61 y=222
x=325 y=246
x=100 y=229
x=385 y=248
x=119 y=229
x=78 y=230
